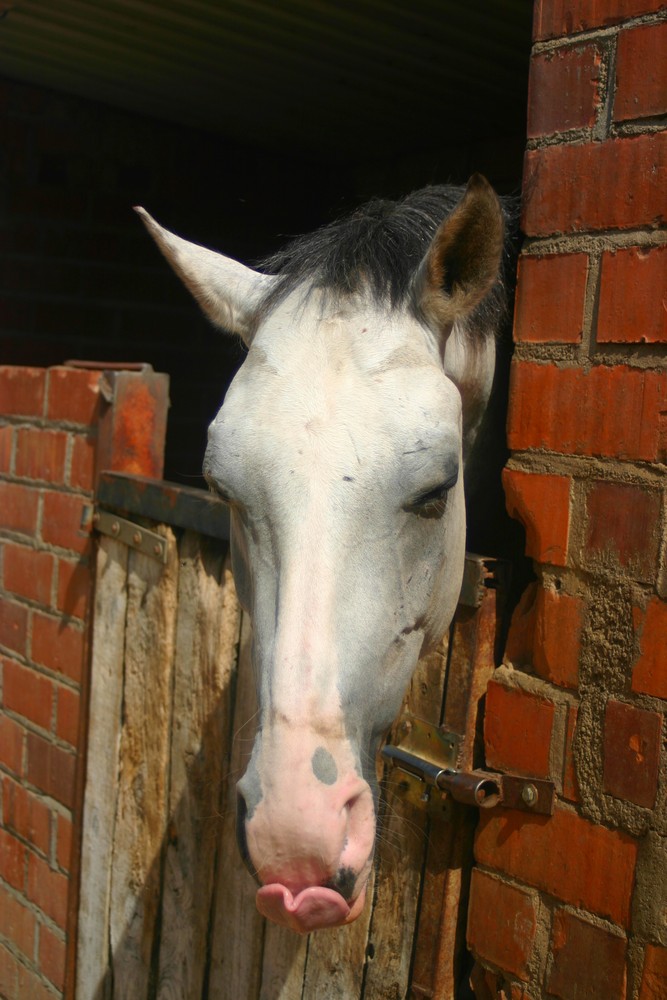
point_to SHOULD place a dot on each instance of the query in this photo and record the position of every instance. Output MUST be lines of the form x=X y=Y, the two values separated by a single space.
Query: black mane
x=376 y=251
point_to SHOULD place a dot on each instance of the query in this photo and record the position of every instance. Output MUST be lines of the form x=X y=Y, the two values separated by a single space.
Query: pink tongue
x=312 y=909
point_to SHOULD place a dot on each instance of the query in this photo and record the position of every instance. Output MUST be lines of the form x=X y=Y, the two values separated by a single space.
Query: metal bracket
x=131 y=534
x=426 y=757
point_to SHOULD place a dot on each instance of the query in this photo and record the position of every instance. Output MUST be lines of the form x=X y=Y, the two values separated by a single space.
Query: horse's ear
x=463 y=260
x=227 y=291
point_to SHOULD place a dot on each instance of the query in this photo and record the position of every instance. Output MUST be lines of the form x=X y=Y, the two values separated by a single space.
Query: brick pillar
x=576 y=905
x=53 y=424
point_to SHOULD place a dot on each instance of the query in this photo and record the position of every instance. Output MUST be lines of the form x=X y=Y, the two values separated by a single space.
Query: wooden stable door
x=167 y=909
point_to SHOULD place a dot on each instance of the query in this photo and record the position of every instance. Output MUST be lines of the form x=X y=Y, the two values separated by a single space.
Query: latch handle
x=473 y=789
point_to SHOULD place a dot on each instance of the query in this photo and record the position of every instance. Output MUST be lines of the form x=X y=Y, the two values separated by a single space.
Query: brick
x=12 y=860
x=18 y=508
x=502 y=920
x=649 y=675
x=58 y=646
x=6 y=448
x=9 y=975
x=554 y=18
x=17 y=923
x=82 y=468
x=41 y=454
x=521 y=636
x=22 y=391
x=558 y=626
x=613 y=412
x=25 y=814
x=517 y=730
x=32 y=986
x=52 y=956
x=565 y=855
x=542 y=504
x=51 y=769
x=641 y=72
x=588 y=961
x=556 y=201
x=550 y=298
x=632 y=741
x=67 y=715
x=545 y=634
x=28 y=572
x=28 y=693
x=13 y=625
x=633 y=295
x=654 y=975
x=48 y=889
x=61 y=522
x=11 y=744
x=570 y=782
x=74 y=588
x=64 y=842
x=564 y=89
x=622 y=528
x=74 y=395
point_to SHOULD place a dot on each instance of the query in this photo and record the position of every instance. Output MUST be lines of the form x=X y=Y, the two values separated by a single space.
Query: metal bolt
x=529 y=795
x=136 y=537
x=157 y=549
x=115 y=528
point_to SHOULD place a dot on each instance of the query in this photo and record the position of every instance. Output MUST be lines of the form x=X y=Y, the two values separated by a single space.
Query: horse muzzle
x=310 y=845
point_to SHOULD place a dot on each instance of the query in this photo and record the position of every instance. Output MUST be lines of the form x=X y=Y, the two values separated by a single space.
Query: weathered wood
x=284 y=964
x=141 y=815
x=106 y=690
x=336 y=958
x=403 y=839
x=180 y=506
x=237 y=928
x=440 y=939
x=207 y=638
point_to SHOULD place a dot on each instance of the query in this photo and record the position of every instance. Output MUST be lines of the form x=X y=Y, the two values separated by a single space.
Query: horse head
x=340 y=450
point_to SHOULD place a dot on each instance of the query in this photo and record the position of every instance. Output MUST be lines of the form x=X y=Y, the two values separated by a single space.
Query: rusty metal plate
x=528 y=794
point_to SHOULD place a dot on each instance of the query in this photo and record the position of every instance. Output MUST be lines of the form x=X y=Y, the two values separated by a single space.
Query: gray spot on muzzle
x=324 y=766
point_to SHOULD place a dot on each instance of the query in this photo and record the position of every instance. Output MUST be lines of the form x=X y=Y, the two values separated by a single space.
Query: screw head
x=529 y=795
x=115 y=527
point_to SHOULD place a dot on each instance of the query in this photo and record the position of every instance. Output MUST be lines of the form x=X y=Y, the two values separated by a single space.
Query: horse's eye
x=432 y=501
x=216 y=490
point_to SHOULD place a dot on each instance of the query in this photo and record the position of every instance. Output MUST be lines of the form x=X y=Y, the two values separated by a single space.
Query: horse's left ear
x=463 y=260
x=229 y=292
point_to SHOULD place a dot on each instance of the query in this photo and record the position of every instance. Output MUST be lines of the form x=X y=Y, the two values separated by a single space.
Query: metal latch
x=426 y=756
x=131 y=534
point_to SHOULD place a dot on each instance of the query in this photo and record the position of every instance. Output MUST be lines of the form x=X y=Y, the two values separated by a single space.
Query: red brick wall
x=576 y=904
x=49 y=422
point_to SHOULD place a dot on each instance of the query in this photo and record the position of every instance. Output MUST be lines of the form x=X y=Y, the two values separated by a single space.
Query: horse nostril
x=343 y=882
x=241 y=839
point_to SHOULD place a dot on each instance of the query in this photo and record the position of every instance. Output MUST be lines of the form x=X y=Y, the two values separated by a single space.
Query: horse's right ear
x=227 y=291
x=463 y=261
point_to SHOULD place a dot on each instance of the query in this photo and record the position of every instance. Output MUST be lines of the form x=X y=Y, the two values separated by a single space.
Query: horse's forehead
x=350 y=335
x=329 y=385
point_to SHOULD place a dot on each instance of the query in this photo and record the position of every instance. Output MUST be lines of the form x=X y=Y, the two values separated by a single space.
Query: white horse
x=340 y=450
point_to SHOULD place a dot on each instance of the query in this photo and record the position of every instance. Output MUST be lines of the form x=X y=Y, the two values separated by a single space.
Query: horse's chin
x=312 y=909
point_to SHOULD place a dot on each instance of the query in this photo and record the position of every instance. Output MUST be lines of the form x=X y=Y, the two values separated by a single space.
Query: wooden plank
x=141 y=815
x=284 y=963
x=207 y=638
x=108 y=647
x=237 y=927
x=179 y=506
x=336 y=959
x=440 y=942
x=402 y=843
